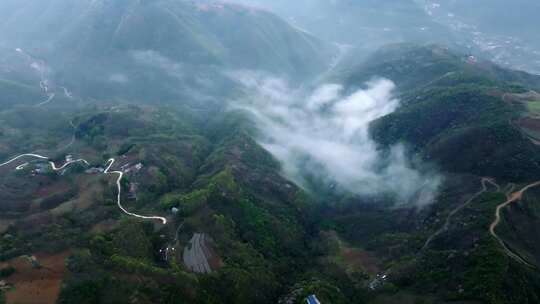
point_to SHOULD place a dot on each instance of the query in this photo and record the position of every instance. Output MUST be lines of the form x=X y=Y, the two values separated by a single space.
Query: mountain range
x=250 y=151
x=116 y=49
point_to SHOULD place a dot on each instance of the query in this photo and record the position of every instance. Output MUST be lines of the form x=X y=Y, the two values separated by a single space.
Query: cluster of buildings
x=129 y=168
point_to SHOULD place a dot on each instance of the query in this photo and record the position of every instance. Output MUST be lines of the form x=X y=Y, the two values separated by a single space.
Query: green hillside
x=363 y=23
x=177 y=200
x=453 y=111
x=166 y=51
x=13 y=93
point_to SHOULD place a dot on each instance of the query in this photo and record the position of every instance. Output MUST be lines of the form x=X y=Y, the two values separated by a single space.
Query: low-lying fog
x=324 y=133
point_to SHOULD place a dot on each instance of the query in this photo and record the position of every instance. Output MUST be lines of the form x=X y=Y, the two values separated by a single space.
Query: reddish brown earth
x=34 y=221
x=530 y=123
x=213 y=259
x=521 y=97
x=36 y=285
x=53 y=188
x=358 y=258
x=511 y=198
x=104 y=226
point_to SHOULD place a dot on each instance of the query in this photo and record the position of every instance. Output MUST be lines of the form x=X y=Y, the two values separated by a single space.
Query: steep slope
x=462 y=113
x=502 y=31
x=454 y=110
x=238 y=232
x=225 y=187
x=14 y=93
x=175 y=47
x=362 y=23
x=417 y=66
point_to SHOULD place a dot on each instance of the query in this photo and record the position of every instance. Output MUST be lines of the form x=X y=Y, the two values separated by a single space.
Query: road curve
x=67 y=93
x=20 y=167
x=120 y=174
x=50 y=97
x=511 y=198
x=110 y=163
x=53 y=165
x=459 y=208
x=21 y=156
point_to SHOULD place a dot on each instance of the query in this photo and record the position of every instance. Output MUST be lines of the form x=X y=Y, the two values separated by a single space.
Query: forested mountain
x=177 y=151
x=504 y=32
x=156 y=50
x=361 y=23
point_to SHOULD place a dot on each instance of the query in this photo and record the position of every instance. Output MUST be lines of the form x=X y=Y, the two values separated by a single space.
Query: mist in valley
x=324 y=133
x=269 y=151
x=321 y=132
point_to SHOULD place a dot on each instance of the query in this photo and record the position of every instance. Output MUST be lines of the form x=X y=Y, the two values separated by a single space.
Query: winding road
x=67 y=93
x=511 y=198
x=120 y=174
x=50 y=97
x=110 y=163
x=53 y=165
x=446 y=226
x=40 y=66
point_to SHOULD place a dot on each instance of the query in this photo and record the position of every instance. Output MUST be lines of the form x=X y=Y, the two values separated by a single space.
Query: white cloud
x=325 y=133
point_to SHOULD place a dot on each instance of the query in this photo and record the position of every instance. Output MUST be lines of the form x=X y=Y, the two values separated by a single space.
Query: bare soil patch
x=36 y=285
x=104 y=226
x=359 y=258
x=530 y=123
x=53 y=188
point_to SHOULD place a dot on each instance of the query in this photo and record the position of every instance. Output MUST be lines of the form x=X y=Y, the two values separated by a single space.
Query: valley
x=205 y=152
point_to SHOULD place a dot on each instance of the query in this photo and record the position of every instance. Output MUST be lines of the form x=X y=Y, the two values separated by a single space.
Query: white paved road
x=120 y=174
x=110 y=163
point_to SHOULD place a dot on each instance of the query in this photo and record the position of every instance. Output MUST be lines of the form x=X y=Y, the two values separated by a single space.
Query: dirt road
x=36 y=285
x=511 y=198
x=447 y=223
